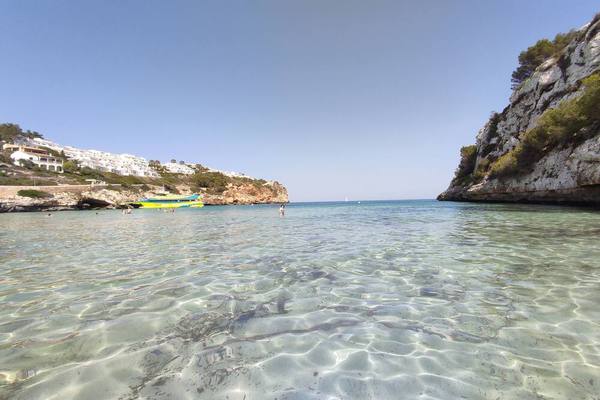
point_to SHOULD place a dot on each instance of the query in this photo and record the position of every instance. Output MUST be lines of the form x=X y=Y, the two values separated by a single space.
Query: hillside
x=544 y=147
x=71 y=189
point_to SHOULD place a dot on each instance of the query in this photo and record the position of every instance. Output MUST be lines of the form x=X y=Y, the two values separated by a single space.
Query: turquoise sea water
x=378 y=300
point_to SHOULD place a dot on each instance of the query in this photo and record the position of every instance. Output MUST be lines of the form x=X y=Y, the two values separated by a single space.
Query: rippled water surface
x=388 y=300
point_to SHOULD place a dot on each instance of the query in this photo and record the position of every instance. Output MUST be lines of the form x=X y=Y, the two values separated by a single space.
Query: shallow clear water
x=386 y=300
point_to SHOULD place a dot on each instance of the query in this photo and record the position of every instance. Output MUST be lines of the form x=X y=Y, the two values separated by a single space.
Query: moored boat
x=171 y=201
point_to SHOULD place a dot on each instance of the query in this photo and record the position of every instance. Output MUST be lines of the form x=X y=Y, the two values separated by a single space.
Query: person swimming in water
x=282 y=210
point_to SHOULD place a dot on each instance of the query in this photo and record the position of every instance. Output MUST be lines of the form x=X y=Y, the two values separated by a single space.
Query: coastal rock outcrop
x=76 y=197
x=270 y=192
x=556 y=171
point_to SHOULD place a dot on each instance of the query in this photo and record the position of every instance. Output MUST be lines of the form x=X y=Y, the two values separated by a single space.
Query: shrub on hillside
x=171 y=189
x=110 y=177
x=5 y=157
x=468 y=156
x=506 y=165
x=535 y=55
x=258 y=182
x=34 y=194
x=20 y=181
x=70 y=166
x=157 y=166
x=27 y=164
x=481 y=170
x=90 y=173
x=52 y=152
x=493 y=127
x=9 y=132
x=492 y=132
x=214 y=181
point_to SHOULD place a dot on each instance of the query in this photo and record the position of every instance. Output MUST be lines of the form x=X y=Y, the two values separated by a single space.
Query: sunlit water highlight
x=384 y=300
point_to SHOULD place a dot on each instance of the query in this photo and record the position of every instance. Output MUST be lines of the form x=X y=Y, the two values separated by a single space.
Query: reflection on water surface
x=413 y=299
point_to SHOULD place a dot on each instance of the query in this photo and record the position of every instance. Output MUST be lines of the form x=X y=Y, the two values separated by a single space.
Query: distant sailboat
x=346 y=199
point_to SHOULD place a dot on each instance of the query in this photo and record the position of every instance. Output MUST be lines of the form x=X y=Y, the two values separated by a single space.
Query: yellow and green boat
x=171 y=201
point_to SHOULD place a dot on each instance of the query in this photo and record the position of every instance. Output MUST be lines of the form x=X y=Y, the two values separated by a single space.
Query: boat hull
x=170 y=198
x=181 y=204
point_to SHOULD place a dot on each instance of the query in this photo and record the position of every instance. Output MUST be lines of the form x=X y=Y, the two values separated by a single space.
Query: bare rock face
x=564 y=175
x=270 y=192
x=72 y=197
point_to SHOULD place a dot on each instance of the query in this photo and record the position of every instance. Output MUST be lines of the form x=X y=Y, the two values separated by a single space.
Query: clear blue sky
x=365 y=99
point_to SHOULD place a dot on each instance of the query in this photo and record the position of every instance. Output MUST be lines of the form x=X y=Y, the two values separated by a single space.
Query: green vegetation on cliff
x=535 y=55
x=216 y=182
x=34 y=194
x=468 y=157
x=542 y=50
x=573 y=121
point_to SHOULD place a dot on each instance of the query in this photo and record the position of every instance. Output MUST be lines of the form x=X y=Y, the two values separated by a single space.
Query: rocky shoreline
x=580 y=197
x=84 y=197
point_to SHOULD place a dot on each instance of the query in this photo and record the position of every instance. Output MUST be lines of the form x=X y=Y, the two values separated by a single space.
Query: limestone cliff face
x=74 y=197
x=271 y=192
x=566 y=174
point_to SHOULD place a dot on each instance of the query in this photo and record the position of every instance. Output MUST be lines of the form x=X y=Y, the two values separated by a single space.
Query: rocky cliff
x=528 y=153
x=77 y=197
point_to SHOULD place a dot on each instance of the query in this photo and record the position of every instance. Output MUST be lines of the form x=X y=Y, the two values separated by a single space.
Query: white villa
x=231 y=174
x=39 y=157
x=121 y=164
x=177 y=168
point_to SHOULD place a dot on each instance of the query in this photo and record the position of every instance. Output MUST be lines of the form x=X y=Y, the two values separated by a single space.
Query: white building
x=231 y=174
x=121 y=164
x=39 y=157
x=176 y=168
